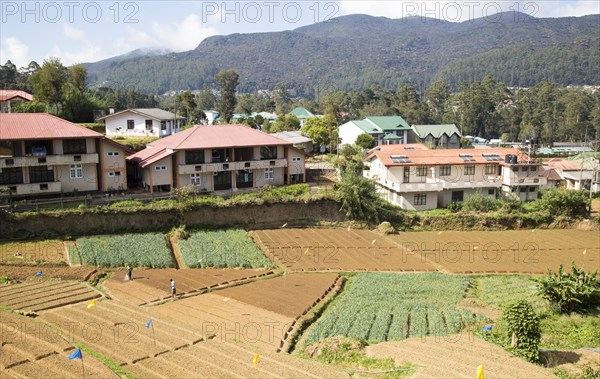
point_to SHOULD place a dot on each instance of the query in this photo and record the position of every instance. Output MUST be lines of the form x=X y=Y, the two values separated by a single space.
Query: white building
x=416 y=178
x=387 y=130
x=151 y=122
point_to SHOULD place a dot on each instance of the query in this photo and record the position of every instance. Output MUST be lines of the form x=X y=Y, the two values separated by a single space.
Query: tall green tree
x=436 y=97
x=48 y=82
x=227 y=81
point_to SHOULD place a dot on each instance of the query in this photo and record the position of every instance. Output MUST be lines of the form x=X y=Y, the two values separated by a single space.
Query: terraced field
x=153 y=285
x=527 y=251
x=45 y=294
x=336 y=250
x=31 y=349
x=32 y=251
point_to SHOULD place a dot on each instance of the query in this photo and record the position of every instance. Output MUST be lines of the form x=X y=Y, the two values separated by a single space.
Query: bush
x=523 y=330
x=480 y=203
x=561 y=202
x=127 y=204
x=569 y=292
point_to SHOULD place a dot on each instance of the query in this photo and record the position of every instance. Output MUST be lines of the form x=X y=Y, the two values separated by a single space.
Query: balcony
x=48 y=160
x=429 y=186
x=491 y=182
x=34 y=188
x=525 y=181
x=230 y=166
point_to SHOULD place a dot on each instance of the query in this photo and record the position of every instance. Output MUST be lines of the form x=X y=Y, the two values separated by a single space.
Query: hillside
x=356 y=51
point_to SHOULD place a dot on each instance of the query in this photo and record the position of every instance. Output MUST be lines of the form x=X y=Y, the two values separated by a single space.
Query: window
x=117 y=173
x=422 y=171
x=76 y=171
x=491 y=191
x=490 y=169
x=130 y=124
x=458 y=196
x=515 y=169
x=41 y=174
x=163 y=125
x=194 y=156
x=531 y=189
x=296 y=159
x=533 y=168
x=466 y=157
x=524 y=169
x=160 y=168
x=113 y=153
x=420 y=199
x=74 y=146
x=195 y=179
x=268 y=152
x=111 y=174
x=470 y=170
x=11 y=175
x=269 y=173
x=454 y=138
x=400 y=159
x=523 y=189
x=445 y=171
x=148 y=124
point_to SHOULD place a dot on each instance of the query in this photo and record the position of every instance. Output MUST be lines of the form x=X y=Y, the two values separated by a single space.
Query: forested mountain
x=357 y=51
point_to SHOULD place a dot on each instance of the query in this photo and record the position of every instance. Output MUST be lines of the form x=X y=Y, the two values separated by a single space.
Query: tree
x=206 y=99
x=48 y=82
x=436 y=97
x=365 y=141
x=228 y=81
x=282 y=99
x=359 y=197
x=187 y=103
x=318 y=130
x=285 y=123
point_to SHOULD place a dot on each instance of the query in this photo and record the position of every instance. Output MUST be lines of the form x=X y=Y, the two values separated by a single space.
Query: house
x=416 y=178
x=438 y=136
x=217 y=158
x=142 y=122
x=299 y=141
x=577 y=173
x=387 y=130
x=211 y=117
x=303 y=114
x=41 y=154
x=10 y=98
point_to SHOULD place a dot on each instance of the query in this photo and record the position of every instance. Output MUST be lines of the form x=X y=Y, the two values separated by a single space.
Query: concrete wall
x=89 y=182
x=348 y=133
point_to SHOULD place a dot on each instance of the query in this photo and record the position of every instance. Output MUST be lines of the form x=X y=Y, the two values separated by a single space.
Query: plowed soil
x=336 y=250
x=457 y=356
x=154 y=285
x=289 y=295
x=528 y=251
x=45 y=294
x=28 y=272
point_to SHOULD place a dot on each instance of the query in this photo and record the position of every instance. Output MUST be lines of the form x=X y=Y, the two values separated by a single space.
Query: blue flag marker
x=148 y=324
x=487 y=328
x=76 y=354
x=39 y=273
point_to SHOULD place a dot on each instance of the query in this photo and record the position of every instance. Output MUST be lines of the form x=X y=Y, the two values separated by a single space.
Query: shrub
x=480 y=203
x=561 y=202
x=523 y=329
x=572 y=291
x=127 y=204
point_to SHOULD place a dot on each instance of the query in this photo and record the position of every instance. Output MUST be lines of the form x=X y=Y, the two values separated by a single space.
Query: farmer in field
x=173 y=289
x=129 y=275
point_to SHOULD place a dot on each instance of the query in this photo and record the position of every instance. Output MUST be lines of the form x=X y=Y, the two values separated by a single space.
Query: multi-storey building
x=217 y=158
x=414 y=177
x=41 y=154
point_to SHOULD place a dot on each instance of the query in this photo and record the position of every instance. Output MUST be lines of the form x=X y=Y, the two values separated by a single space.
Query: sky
x=89 y=31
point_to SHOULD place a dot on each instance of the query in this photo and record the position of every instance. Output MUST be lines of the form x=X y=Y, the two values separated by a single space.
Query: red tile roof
x=23 y=126
x=438 y=157
x=6 y=95
x=206 y=137
x=562 y=164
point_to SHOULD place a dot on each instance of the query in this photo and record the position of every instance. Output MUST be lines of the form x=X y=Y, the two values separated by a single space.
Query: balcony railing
x=230 y=166
x=48 y=160
x=490 y=182
x=526 y=181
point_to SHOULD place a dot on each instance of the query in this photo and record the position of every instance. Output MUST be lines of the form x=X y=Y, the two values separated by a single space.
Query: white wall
x=117 y=121
x=348 y=133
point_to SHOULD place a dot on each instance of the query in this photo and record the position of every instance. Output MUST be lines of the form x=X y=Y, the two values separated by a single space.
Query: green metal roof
x=302 y=113
x=436 y=131
x=389 y=123
x=391 y=137
x=366 y=127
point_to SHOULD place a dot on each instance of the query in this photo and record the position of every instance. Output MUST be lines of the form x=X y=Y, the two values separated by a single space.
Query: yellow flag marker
x=91 y=304
x=373 y=243
x=255 y=360
x=585 y=251
x=480 y=372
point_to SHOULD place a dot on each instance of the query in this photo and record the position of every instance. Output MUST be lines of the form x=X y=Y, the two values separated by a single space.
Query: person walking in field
x=173 y=289
x=129 y=273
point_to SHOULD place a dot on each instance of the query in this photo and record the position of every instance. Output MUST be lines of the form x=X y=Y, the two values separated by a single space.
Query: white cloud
x=86 y=51
x=14 y=50
x=183 y=36
x=464 y=10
